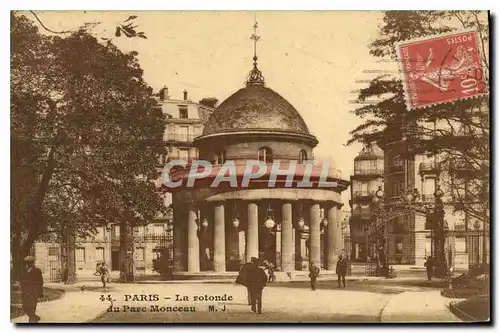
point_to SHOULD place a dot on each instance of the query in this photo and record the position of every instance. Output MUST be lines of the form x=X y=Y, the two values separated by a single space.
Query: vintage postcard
x=250 y=167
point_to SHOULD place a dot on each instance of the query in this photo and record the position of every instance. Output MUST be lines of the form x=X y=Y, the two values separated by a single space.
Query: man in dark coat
x=256 y=280
x=242 y=277
x=429 y=264
x=313 y=275
x=341 y=270
x=31 y=288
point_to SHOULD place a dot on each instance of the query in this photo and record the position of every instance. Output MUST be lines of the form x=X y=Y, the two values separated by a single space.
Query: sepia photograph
x=250 y=166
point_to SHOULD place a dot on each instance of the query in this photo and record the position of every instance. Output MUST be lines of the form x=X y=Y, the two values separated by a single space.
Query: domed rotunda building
x=289 y=222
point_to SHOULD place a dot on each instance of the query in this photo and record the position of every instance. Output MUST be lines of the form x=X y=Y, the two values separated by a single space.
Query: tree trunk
x=126 y=253
x=68 y=261
x=17 y=260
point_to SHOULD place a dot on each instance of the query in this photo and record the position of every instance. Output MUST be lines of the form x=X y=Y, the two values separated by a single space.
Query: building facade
x=410 y=239
x=368 y=176
x=411 y=231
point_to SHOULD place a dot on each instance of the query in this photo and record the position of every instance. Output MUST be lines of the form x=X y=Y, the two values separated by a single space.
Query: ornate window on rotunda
x=302 y=156
x=220 y=157
x=265 y=155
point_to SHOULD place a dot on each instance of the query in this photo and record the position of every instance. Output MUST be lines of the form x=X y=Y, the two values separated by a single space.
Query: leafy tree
x=85 y=137
x=455 y=133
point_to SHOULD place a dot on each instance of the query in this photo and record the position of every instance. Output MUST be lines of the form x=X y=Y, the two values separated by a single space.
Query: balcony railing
x=362 y=194
x=370 y=171
x=396 y=167
x=180 y=137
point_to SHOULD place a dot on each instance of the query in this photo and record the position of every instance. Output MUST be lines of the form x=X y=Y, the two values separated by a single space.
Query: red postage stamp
x=441 y=68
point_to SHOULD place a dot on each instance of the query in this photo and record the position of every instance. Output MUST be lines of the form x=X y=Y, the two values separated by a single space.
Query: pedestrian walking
x=429 y=264
x=256 y=280
x=104 y=274
x=270 y=271
x=341 y=271
x=242 y=277
x=31 y=288
x=313 y=275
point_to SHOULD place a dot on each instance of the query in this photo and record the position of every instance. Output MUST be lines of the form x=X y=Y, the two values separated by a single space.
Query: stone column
x=287 y=245
x=180 y=240
x=333 y=231
x=219 y=238
x=315 y=234
x=193 y=252
x=252 y=241
x=278 y=257
x=338 y=232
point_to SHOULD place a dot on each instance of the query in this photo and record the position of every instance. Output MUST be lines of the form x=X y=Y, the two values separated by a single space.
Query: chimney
x=185 y=95
x=164 y=93
x=210 y=102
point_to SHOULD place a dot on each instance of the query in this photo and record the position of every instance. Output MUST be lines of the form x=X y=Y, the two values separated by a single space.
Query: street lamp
x=439 y=232
x=269 y=224
x=300 y=223
x=236 y=222
x=381 y=234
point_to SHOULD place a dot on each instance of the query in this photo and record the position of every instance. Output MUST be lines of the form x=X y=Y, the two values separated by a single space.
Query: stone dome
x=255 y=108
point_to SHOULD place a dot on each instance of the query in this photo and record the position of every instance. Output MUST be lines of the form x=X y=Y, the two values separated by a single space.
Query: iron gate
x=55 y=271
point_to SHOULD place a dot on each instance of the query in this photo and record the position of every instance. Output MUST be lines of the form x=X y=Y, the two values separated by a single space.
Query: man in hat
x=31 y=288
x=341 y=271
x=313 y=275
x=256 y=280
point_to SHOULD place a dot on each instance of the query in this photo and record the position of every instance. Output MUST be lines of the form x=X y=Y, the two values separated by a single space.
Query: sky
x=315 y=59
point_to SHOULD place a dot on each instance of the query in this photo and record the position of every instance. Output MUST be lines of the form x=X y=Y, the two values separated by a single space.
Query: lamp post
x=439 y=235
x=381 y=234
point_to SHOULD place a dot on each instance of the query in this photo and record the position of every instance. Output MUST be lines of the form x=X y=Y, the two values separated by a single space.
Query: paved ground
x=364 y=300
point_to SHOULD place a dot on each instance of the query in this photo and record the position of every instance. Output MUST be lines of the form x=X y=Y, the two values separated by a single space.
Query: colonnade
x=187 y=235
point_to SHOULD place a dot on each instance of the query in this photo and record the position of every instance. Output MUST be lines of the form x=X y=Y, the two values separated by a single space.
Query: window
x=139 y=253
x=116 y=231
x=220 y=157
x=460 y=245
x=302 y=156
x=428 y=246
x=100 y=234
x=99 y=253
x=364 y=188
x=265 y=155
x=139 y=230
x=158 y=229
x=183 y=133
x=80 y=254
x=183 y=112
x=184 y=154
